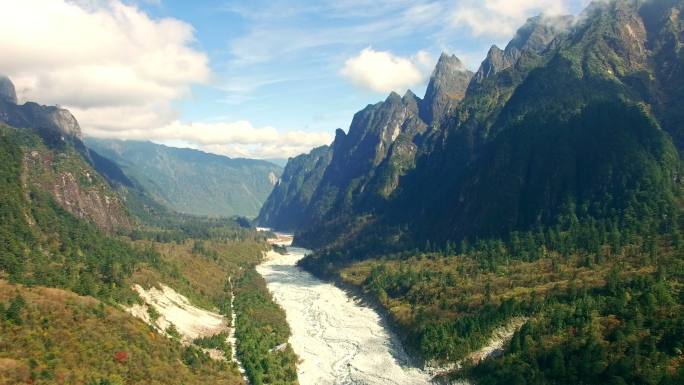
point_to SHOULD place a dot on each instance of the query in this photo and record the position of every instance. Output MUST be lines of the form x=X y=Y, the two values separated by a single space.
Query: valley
x=520 y=223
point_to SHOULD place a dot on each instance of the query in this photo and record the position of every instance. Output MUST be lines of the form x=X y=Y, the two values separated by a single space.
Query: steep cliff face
x=598 y=94
x=446 y=88
x=285 y=206
x=75 y=185
x=362 y=168
x=52 y=123
x=664 y=22
x=60 y=164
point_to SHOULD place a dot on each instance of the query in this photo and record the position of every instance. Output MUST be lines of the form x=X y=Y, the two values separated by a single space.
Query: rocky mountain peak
x=49 y=121
x=7 y=90
x=538 y=32
x=409 y=95
x=393 y=97
x=534 y=37
x=495 y=62
x=446 y=88
x=447 y=63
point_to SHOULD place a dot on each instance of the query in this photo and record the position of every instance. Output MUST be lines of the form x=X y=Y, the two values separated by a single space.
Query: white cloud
x=235 y=139
x=501 y=18
x=382 y=71
x=279 y=29
x=116 y=68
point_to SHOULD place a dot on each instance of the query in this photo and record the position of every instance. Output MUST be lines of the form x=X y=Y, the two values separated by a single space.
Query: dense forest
x=262 y=334
x=602 y=300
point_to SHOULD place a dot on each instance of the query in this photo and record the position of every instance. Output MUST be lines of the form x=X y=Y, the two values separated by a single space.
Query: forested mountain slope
x=190 y=181
x=76 y=235
x=541 y=128
x=549 y=196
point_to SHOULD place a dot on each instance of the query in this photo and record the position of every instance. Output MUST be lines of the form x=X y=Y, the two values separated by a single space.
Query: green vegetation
x=42 y=244
x=261 y=327
x=64 y=338
x=190 y=181
x=59 y=337
x=605 y=302
x=552 y=194
x=217 y=341
x=629 y=332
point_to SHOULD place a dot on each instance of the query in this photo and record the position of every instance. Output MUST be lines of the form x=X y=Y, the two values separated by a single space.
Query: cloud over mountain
x=234 y=139
x=383 y=71
x=120 y=71
x=500 y=18
x=112 y=64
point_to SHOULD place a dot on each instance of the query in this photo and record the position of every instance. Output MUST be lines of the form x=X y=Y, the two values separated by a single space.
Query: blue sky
x=265 y=79
x=268 y=79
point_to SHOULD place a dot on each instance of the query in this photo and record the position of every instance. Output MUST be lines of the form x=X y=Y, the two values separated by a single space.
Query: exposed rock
x=292 y=192
x=77 y=188
x=447 y=87
x=52 y=123
x=7 y=92
x=495 y=62
x=380 y=147
x=534 y=37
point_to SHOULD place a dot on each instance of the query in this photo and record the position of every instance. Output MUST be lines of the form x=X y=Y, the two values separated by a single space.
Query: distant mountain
x=282 y=162
x=190 y=181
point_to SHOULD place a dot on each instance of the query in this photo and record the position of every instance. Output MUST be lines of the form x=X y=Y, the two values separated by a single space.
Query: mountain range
x=571 y=113
x=533 y=207
x=536 y=203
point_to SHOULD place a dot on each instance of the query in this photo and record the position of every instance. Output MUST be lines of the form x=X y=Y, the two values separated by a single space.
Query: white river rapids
x=338 y=340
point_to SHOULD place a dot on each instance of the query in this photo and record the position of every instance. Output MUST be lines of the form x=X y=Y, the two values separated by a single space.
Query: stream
x=338 y=340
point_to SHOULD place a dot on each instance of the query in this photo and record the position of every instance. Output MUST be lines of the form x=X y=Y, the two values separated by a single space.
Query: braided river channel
x=338 y=340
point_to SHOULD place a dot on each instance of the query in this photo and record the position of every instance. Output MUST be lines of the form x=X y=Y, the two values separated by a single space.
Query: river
x=338 y=340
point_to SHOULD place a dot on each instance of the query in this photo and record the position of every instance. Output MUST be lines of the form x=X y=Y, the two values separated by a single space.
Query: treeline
x=181 y=227
x=262 y=333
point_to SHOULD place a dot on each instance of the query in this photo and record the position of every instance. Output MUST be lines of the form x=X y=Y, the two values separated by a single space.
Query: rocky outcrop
x=61 y=165
x=7 y=92
x=53 y=123
x=76 y=187
x=363 y=166
x=446 y=88
x=533 y=38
